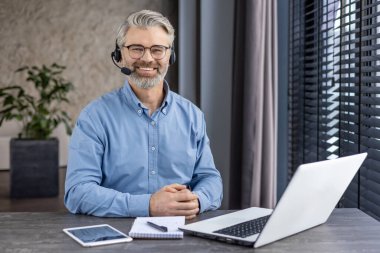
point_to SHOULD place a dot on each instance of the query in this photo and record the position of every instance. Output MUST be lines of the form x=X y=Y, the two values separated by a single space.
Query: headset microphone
x=124 y=70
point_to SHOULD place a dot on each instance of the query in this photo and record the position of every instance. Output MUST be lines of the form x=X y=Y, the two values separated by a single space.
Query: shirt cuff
x=138 y=205
x=203 y=201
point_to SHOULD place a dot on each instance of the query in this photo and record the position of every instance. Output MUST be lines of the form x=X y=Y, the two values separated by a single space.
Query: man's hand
x=179 y=187
x=174 y=200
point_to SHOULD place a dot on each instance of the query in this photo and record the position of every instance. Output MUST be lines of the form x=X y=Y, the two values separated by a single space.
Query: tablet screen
x=97 y=235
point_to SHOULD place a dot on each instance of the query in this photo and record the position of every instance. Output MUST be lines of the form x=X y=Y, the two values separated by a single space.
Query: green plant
x=40 y=114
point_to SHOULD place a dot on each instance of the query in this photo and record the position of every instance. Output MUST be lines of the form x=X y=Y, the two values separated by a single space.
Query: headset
x=116 y=57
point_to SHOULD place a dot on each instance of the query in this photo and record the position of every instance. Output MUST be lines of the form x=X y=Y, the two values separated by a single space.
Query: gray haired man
x=142 y=150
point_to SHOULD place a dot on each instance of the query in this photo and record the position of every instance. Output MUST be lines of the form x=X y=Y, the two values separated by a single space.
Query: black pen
x=161 y=228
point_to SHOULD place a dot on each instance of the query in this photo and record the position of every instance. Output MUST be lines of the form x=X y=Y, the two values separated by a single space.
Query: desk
x=347 y=230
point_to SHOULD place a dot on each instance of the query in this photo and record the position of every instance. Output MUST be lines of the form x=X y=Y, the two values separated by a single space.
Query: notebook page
x=141 y=229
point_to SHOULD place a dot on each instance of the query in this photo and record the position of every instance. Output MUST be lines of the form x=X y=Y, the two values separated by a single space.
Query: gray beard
x=146 y=82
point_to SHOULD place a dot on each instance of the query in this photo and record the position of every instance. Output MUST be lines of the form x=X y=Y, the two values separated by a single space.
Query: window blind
x=334 y=90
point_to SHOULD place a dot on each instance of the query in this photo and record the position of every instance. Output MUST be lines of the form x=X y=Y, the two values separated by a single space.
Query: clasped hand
x=174 y=200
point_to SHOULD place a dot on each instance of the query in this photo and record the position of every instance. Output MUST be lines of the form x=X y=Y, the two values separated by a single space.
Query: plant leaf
x=22 y=69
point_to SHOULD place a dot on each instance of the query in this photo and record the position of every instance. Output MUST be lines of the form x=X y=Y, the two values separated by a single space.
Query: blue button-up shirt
x=119 y=155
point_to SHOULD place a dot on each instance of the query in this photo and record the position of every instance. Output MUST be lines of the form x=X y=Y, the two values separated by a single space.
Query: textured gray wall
x=77 y=34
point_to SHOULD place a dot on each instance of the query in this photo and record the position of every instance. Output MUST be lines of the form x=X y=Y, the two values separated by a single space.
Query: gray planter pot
x=34 y=168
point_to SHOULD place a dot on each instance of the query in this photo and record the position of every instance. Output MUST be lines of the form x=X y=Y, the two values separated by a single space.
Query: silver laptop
x=308 y=201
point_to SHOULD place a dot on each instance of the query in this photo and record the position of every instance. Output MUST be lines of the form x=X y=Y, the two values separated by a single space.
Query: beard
x=147 y=82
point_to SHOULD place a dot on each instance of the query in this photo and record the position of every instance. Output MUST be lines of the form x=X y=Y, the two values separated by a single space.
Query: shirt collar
x=138 y=106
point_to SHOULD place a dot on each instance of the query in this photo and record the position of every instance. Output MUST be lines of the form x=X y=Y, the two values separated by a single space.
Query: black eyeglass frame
x=150 y=51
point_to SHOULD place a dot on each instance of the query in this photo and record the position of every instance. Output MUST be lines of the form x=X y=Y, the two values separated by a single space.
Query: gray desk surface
x=347 y=230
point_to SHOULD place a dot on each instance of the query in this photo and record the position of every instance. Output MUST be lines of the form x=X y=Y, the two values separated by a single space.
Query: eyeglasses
x=157 y=52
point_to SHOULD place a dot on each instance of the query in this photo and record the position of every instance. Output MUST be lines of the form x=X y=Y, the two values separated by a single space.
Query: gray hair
x=144 y=19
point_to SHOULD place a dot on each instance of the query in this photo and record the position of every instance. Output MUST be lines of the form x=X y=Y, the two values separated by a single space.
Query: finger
x=184 y=195
x=170 y=189
x=174 y=187
x=194 y=201
x=190 y=217
x=189 y=205
x=178 y=186
x=186 y=190
x=184 y=212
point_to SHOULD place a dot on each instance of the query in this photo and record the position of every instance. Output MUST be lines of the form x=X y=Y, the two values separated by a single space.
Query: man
x=137 y=151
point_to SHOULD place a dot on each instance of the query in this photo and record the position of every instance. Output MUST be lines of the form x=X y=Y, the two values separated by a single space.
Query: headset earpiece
x=172 y=55
x=116 y=54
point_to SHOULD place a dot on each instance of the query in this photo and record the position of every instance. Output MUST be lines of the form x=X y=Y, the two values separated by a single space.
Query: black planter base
x=34 y=168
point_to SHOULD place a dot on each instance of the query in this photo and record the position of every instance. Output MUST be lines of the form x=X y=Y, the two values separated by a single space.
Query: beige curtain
x=254 y=126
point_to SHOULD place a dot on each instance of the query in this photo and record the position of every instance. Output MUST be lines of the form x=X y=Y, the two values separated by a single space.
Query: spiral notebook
x=141 y=229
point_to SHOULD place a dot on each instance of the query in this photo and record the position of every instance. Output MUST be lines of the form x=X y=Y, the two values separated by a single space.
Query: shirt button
x=139 y=111
x=164 y=110
x=153 y=172
x=153 y=123
x=153 y=148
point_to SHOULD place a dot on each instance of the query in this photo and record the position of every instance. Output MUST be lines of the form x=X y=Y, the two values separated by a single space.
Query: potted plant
x=34 y=155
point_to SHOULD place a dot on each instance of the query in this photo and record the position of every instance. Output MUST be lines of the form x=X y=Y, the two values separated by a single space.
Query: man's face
x=147 y=72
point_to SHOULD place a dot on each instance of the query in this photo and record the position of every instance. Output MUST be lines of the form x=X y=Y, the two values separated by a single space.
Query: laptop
x=308 y=201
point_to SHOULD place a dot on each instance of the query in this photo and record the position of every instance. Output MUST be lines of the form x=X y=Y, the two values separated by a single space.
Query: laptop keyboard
x=246 y=228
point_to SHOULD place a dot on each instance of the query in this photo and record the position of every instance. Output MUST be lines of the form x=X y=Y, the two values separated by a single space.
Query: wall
x=77 y=34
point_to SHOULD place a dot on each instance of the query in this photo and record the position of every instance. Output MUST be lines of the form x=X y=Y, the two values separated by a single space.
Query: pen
x=161 y=228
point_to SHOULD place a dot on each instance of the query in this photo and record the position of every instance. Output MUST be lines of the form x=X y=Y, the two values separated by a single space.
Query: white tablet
x=90 y=236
